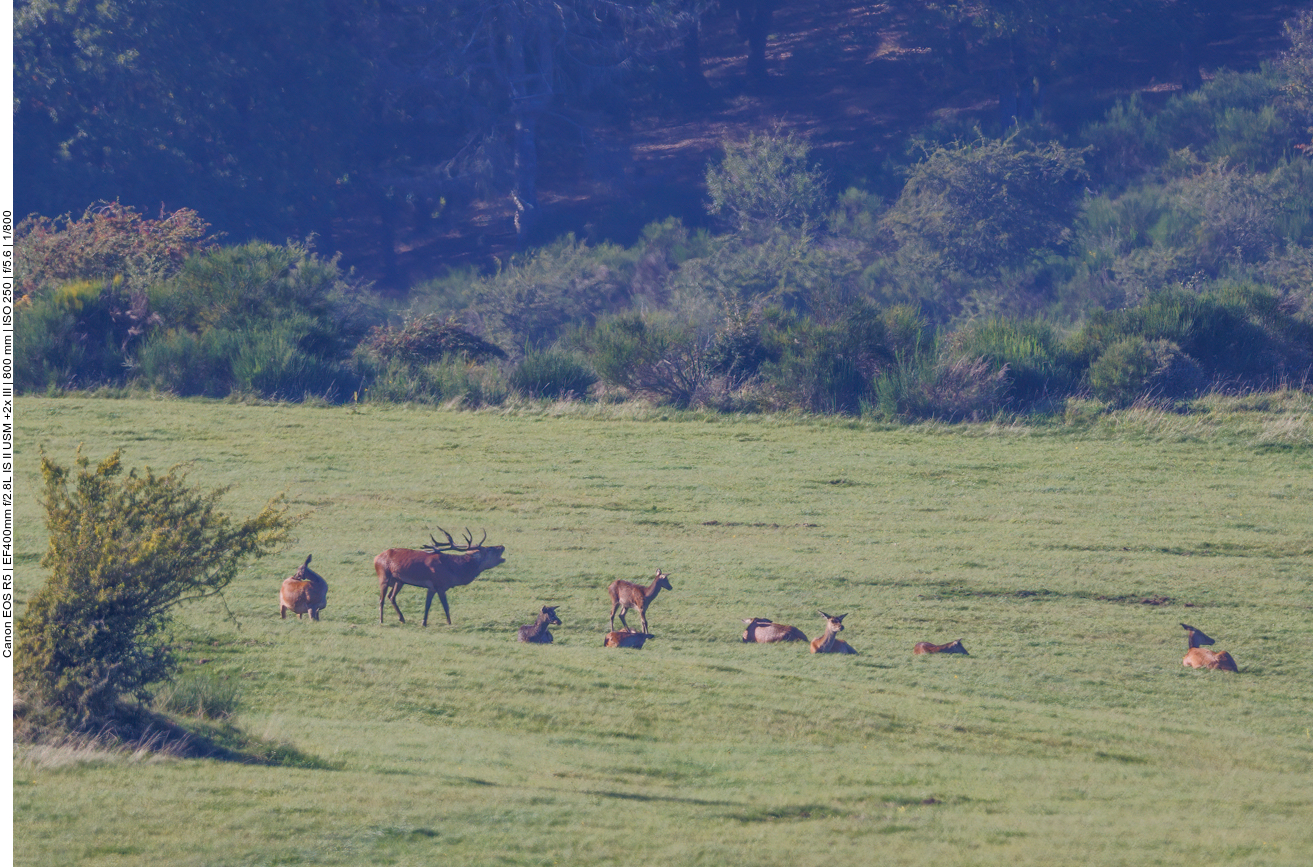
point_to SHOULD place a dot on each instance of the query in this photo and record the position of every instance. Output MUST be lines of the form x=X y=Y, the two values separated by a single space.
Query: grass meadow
x=1065 y=556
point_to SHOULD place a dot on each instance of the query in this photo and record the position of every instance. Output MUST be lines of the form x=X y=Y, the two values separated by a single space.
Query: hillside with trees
x=890 y=210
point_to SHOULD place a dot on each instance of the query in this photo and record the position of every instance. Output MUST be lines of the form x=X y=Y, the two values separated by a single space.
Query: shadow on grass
x=138 y=731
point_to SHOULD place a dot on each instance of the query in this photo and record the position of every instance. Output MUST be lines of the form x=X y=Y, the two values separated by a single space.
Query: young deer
x=626 y=595
x=626 y=638
x=830 y=642
x=763 y=631
x=536 y=632
x=1197 y=656
x=951 y=647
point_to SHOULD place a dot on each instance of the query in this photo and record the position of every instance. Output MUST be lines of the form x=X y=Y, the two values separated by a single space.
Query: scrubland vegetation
x=1065 y=555
x=1154 y=254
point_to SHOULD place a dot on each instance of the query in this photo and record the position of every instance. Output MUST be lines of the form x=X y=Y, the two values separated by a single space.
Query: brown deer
x=830 y=642
x=435 y=568
x=626 y=595
x=763 y=631
x=303 y=592
x=951 y=647
x=536 y=632
x=1197 y=656
x=626 y=638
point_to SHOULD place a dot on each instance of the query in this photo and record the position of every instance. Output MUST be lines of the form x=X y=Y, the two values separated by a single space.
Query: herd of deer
x=438 y=567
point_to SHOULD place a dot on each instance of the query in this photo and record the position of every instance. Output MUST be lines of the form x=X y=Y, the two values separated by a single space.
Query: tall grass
x=1065 y=557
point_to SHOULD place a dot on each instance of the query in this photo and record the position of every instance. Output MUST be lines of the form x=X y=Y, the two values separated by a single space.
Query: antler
x=451 y=543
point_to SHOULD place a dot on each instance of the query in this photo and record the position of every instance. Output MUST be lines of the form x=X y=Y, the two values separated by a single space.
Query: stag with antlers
x=437 y=568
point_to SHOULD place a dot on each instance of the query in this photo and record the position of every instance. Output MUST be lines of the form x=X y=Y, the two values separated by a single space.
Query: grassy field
x=1064 y=556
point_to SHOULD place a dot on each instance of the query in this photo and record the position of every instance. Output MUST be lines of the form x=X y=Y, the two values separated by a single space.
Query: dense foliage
x=124 y=550
x=1152 y=254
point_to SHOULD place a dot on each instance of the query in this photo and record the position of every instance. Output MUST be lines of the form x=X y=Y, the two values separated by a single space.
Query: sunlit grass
x=1065 y=557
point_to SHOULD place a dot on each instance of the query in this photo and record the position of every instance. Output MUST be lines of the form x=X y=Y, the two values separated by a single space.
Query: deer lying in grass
x=435 y=568
x=626 y=638
x=626 y=595
x=303 y=592
x=763 y=631
x=830 y=642
x=951 y=647
x=536 y=632
x=1197 y=656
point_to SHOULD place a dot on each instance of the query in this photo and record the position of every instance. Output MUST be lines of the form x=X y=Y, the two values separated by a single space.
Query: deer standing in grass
x=763 y=631
x=1197 y=656
x=954 y=646
x=536 y=632
x=436 y=567
x=303 y=592
x=626 y=595
x=830 y=642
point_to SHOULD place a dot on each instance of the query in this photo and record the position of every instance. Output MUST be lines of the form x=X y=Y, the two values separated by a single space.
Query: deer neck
x=827 y=640
x=463 y=568
x=652 y=590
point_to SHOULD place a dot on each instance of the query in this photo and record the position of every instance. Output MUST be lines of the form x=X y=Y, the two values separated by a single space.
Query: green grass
x=1063 y=555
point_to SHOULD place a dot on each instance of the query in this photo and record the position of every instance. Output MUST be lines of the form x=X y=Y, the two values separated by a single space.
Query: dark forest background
x=901 y=210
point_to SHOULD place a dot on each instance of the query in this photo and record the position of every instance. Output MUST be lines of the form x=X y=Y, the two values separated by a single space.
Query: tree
x=248 y=112
x=124 y=552
x=482 y=74
x=991 y=204
x=765 y=184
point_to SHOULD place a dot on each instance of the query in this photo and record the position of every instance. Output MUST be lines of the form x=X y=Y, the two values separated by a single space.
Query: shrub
x=989 y=205
x=109 y=240
x=124 y=550
x=831 y=368
x=1135 y=368
x=275 y=321
x=533 y=299
x=552 y=374
x=445 y=381
x=765 y=184
x=79 y=334
x=956 y=388
x=663 y=359
x=1029 y=352
x=429 y=338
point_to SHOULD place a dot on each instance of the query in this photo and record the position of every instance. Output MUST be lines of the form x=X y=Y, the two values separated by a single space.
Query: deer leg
x=392 y=597
x=314 y=614
x=442 y=597
x=428 y=602
x=642 y=615
x=614 y=606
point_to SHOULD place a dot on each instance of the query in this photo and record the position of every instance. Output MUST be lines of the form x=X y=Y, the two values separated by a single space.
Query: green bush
x=188 y=364
x=270 y=363
x=989 y=205
x=449 y=380
x=1029 y=353
x=76 y=335
x=553 y=374
x=765 y=184
x=1136 y=368
x=831 y=368
x=661 y=359
x=124 y=550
